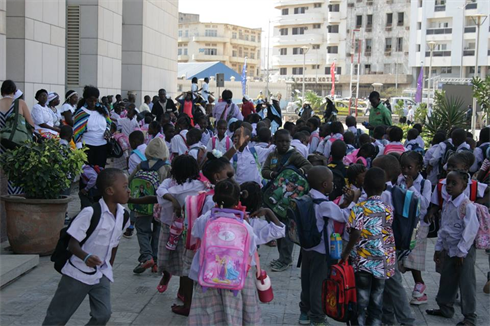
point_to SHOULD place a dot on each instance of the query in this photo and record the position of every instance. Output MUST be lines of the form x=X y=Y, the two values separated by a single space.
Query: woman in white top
x=43 y=116
x=92 y=126
x=69 y=107
x=194 y=88
x=53 y=102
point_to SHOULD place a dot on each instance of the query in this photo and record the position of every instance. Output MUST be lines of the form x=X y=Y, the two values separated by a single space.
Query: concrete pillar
x=3 y=39
x=100 y=45
x=35 y=46
x=149 y=47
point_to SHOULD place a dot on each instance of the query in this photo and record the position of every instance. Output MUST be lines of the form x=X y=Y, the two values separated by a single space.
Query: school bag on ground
x=406 y=211
x=192 y=210
x=225 y=247
x=289 y=184
x=61 y=253
x=339 y=297
x=145 y=183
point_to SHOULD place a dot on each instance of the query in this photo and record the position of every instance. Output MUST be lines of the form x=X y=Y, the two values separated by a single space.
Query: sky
x=248 y=13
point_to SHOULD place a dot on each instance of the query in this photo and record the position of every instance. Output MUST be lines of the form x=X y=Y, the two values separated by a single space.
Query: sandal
x=181 y=310
x=436 y=312
x=163 y=287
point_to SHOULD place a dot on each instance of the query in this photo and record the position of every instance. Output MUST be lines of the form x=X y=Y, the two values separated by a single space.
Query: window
x=211 y=33
x=283 y=71
x=186 y=34
x=317 y=26
x=367 y=69
x=315 y=67
x=297 y=50
x=233 y=35
x=369 y=22
x=369 y=45
x=334 y=8
x=401 y=18
x=299 y=10
x=185 y=51
x=316 y=46
x=299 y=30
x=359 y=21
x=233 y=53
x=418 y=47
x=283 y=51
x=356 y=47
x=327 y=70
x=245 y=54
x=387 y=68
x=246 y=37
x=252 y=55
x=419 y=26
x=179 y=52
x=389 y=19
x=297 y=70
x=338 y=72
x=211 y=51
x=388 y=44
x=332 y=49
x=180 y=33
x=285 y=12
x=252 y=38
x=399 y=44
x=283 y=31
x=317 y=5
x=446 y=70
x=333 y=29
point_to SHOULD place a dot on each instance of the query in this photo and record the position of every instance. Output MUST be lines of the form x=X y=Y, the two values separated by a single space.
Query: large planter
x=33 y=225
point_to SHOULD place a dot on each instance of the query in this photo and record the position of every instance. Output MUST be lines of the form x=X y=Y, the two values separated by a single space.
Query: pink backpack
x=192 y=210
x=227 y=142
x=394 y=148
x=224 y=256
x=482 y=240
x=123 y=141
x=352 y=158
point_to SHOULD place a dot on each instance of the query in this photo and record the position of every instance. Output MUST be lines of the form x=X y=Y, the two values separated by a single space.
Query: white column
x=3 y=40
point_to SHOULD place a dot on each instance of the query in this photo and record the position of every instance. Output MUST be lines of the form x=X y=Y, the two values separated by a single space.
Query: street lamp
x=432 y=45
x=305 y=50
x=478 y=21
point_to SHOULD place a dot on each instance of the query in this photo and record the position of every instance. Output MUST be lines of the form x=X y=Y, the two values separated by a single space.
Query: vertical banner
x=420 y=86
x=332 y=75
x=244 y=78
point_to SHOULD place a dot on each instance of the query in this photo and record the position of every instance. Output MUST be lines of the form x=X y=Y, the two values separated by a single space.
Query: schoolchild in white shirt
x=433 y=171
x=220 y=142
x=129 y=123
x=337 y=130
x=168 y=132
x=89 y=270
x=202 y=124
x=179 y=141
x=480 y=151
x=300 y=142
x=420 y=140
x=313 y=124
x=138 y=146
x=455 y=251
x=196 y=149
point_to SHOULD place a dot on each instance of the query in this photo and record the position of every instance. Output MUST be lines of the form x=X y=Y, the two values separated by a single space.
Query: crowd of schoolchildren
x=205 y=193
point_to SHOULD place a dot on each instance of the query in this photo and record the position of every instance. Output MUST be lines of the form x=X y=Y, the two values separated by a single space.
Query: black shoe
x=129 y=233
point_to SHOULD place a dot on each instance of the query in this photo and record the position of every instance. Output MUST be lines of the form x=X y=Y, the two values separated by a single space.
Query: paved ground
x=135 y=300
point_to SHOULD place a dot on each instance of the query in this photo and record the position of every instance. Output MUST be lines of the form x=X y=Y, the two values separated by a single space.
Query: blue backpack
x=406 y=212
x=301 y=225
x=416 y=148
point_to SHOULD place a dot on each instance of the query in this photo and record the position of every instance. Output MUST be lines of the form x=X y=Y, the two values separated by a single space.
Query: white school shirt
x=328 y=210
x=479 y=157
x=194 y=149
x=115 y=118
x=134 y=159
x=378 y=143
x=314 y=141
x=105 y=237
x=179 y=143
x=480 y=192
x=263 y=152
x=198 y=232
x=424 y=195
x=205 y=91
x=42 y=114
x=300 y=147
x=409 y=144
x=96 y=127
x=220 y=145
x=457 y=233
x=206 y=136
x=246 y=167
x=354 y=130
x=179 y=192
x=328 y=144
x=434 y=174
x=420 y=141
x=265 y=231
x=128 y=125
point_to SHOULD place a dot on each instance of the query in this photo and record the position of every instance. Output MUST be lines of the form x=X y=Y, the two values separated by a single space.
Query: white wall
x=3 y=39
x=36 y=46
x=149 y=47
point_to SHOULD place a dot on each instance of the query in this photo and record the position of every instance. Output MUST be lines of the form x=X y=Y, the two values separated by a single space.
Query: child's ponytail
x=227 y=193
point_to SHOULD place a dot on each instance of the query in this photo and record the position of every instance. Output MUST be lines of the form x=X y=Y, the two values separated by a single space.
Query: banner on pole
x=332 y=75
x=244 y=78
x=420 y=86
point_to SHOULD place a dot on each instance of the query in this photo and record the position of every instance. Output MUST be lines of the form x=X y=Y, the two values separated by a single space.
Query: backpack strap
x=422 y=185
x=286 y=158
x=439 y=193
x=185 y=141
x=473 y=190
x=406 y=203
x=227 y=142
x=139 y=154
x=145 y=166
x=157 y=165
x=213 y=142
x=94 y=221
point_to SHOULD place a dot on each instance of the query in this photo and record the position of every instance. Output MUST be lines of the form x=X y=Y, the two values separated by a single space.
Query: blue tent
x=206 y=69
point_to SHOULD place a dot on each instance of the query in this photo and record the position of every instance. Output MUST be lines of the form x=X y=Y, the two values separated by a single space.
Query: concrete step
x=14 y=266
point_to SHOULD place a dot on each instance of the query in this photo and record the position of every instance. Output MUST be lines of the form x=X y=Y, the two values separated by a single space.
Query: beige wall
x=149 y=47
x=36 y=46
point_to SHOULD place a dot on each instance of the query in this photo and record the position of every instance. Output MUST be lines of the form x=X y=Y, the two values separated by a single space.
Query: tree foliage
x=447 y=114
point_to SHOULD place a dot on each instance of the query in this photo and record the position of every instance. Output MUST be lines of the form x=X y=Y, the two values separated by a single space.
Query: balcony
x=469 y=52
x=333 y=38
x=244 y=42
x=470 y=6
x=440 y=8
x=438 y=54
x=241 y=60
x=303 y=39
x=183 y=39
x=301 y=19
x=470 y=29
x=206 y=57
x=311 y=58
x=210 y=39
x=183 y=58
x=331 y=57
x=278 y=4
x=438 y=31
x=333 y=17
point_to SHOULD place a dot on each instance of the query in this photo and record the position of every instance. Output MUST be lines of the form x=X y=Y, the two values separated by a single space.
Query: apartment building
x=227 y=43
x=450 y=27
x=312 y=34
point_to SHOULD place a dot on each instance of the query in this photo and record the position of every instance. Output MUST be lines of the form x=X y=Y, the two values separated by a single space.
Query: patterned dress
x=12 y=190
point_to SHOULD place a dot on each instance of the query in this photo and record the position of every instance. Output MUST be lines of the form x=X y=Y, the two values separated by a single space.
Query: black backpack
x=450 y=150
x=339 y=171
x=62 y=254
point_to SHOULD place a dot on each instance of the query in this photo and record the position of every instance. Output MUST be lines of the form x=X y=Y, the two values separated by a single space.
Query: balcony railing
x=470 y=29
x=472 y=6
x=438 y=31
x=438 y=53
x=440 y=8
x=468 y=53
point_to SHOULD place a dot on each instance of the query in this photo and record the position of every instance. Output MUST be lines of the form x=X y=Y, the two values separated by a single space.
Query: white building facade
x=451 y=28
x=325 y=30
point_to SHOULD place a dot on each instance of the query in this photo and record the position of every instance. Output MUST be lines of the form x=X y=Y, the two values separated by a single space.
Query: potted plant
x=44 y=170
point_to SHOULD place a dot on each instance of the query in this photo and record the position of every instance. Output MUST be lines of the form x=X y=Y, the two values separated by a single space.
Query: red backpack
x=339 y=297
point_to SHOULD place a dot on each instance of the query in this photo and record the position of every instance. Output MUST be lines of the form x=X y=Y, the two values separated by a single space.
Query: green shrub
x=44 y=169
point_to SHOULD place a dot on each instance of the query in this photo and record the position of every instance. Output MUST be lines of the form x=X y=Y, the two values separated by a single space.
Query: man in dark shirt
x=163 y=105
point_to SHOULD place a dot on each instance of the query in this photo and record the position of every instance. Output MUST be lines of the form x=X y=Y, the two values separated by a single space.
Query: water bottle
x=264 y=287
x=335 y=246
x=175 y=231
